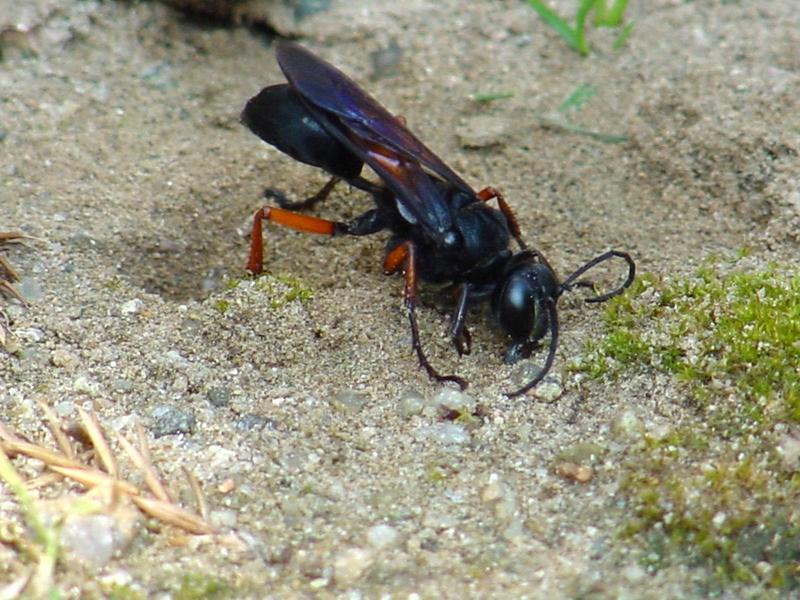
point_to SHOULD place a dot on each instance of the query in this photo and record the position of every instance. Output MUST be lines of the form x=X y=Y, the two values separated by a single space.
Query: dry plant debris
x=96 y=469
x=7 y=276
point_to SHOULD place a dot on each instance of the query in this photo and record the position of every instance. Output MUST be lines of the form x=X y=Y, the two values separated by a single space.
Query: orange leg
x=286 y=218
x=487 y=194
x=405 y=257
x=369 y=222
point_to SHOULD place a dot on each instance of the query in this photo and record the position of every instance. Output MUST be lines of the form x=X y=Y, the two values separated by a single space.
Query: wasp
x=442 y=231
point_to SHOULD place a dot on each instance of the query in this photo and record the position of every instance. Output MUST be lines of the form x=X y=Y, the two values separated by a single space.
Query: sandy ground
x=121 y=149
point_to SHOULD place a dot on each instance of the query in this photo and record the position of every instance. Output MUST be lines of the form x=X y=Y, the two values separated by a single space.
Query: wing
x=331 y=90
x=376 y=136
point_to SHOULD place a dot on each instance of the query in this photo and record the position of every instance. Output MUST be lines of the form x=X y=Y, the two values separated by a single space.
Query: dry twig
x=66 y=463
x=8 y=275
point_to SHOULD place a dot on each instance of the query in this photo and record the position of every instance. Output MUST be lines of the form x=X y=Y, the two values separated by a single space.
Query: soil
x=122 y=153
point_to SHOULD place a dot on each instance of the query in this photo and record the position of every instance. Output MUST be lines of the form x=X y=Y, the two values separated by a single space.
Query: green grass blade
x=46 y=536
x=490 y=96
x=614 y=15
x=558 y=121
x=559 y=25
x=580 y=26
x=582 y=94
x=623 y=36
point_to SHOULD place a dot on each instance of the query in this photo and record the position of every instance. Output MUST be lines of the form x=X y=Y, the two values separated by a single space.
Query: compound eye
x=517 y=307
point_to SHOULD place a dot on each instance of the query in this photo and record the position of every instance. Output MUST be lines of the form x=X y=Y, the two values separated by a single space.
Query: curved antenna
x=551 y=353
x=570 y=282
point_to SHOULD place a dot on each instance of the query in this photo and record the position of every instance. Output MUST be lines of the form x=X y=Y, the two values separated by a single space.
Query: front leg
x=404 y=256
x=462 y=340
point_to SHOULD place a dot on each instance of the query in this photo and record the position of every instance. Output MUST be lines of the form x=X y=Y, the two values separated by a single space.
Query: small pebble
x=574 y=472
x=411 y=403
x=132 y=307
x=549 y=389
x=168 y=420
x=227 y=486
x=219 y=396
x=499 y=494
x=789 y=450
x=483 y=130
x=93 y=539
x=382 y=536
x=634 y=573
x=439 y=521
x=627 y=424
x=455 y=400
x=386 y=61
x=63 y=359
x=30 y=289
x=83 y=385
x=515 y=532
x=349 y=401
x=123 y=422
x=174 y=358
x=444 y=433
x=349 y=565
x=220 y=458
x=224 y=518
x=65 y=408
x=251 y=421
x=122 y=385
x=318 y=583
x=582 y=453
x=30 y=334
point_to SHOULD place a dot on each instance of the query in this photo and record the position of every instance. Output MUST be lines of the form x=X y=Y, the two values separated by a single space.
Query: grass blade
x=556 y=23
x=623 y=36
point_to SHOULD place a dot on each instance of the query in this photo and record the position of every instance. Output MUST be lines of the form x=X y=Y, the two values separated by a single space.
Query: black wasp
x=442 y=230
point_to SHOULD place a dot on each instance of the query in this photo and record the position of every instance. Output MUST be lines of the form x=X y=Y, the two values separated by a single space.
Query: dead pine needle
x=65 y=463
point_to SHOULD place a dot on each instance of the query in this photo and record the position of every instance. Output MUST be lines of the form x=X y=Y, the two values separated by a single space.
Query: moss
x=232 y=283
x=284 y=289
x=124 y=592
x=222 y=305
x=436 y=473
x=114 y=284
x=734 y=515
x=197 y=585
x=738 y=331
x=713 y=495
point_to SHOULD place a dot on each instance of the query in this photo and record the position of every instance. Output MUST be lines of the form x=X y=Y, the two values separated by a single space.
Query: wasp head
x=523 y=303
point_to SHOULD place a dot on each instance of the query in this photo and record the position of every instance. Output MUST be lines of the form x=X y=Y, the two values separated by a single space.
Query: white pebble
x=132 y=307
x=382 y=536
x=549 y=389
x=455 y=400
x=351 y=564
x=224 y=518
x=444 y=433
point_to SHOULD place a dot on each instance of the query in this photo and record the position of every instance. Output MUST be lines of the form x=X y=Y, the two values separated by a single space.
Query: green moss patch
x=715 y=493
x=732 y=337
x=284 y=289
